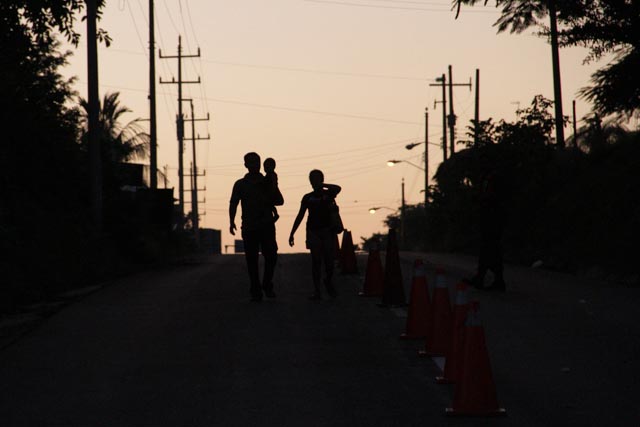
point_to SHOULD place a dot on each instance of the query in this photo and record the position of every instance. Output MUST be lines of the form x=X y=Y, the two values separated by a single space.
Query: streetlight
x=426 y=156
x=377 y=208
x=402 y=209
x=392 y=163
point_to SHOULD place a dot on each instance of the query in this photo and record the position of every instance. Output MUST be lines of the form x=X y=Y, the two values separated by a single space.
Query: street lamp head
x=412 y=145
x=392 y=163
x=372 y=210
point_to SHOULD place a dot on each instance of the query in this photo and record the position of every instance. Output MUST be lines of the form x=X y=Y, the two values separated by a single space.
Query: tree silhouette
x=120 y=143
x=604 y=26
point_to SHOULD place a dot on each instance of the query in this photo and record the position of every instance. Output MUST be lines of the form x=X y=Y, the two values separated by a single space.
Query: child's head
x=269 y=165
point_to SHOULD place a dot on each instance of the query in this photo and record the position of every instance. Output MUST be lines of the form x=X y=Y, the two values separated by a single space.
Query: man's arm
x=233 y=208
x=333 y=189
x=296 y=223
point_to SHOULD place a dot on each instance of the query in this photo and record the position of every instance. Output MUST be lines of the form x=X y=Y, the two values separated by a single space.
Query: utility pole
x=476 y=127
x=557 y=88
x=575 y=125
x=180 y=123
x=194 y=172
x=95 y=161
x=426 y=158
x=402 y=218
x=153 y=150
x=166 y=180
x=452 y=116
x=443 y=82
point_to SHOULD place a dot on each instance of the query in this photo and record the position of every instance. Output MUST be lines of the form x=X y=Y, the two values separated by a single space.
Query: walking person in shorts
x=320 y=235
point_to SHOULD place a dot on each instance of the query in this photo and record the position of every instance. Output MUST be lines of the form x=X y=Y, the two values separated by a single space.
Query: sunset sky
x=336 y=85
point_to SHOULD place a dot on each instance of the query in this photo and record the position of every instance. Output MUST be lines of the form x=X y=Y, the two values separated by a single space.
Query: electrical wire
x=342 y=3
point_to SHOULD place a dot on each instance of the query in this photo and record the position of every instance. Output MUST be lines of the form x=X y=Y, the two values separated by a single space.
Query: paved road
x=186 y=348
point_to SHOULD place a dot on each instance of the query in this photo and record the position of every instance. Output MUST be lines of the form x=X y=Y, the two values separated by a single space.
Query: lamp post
x=426 y=156
x=402 y=209
x=392 y=163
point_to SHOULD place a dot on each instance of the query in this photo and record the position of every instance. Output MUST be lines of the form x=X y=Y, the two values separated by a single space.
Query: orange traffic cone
x=349 y=263
x=393 y=289
x=341 y=252
x=419 y=304
x=453 y=361
x=439 y=337
x=374 y=276
x=475 y=392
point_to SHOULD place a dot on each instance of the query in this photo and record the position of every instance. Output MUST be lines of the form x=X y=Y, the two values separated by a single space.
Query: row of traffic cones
x=385 y=282
x=457 y=334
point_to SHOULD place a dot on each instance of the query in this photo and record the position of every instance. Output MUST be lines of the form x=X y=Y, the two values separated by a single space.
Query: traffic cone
x=341 y=252
x=393 y=290
x=439 y=337
x=419 y=304
x=475 y=392
x=374 y=276
x=349 y=263
x=453 y=360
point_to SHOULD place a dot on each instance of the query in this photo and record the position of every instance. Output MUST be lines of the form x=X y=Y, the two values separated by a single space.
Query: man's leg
x=270 y=253
x=328 y=252
x=251 y=249
x=314 y=244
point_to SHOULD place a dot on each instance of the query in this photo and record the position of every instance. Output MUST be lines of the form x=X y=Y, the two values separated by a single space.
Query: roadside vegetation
x=46 y=237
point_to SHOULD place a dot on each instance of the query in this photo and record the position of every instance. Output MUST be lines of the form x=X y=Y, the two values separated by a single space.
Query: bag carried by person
x=336 y=222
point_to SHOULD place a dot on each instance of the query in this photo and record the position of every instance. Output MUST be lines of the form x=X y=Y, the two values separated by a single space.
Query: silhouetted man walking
x=492 y=217
x=257 y=199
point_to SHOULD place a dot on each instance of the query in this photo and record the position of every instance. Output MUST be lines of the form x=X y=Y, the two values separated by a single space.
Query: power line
x=341 y=3
x=175 y=27
x=135 y=26
x=294 y=69
x=308 y=111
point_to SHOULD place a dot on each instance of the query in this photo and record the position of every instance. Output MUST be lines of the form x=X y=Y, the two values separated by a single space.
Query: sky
x=340 y=86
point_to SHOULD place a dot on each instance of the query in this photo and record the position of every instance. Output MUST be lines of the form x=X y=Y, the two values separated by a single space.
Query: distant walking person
x=320 y=236
x=492 y=218
x=272 y=181
x=257 y=198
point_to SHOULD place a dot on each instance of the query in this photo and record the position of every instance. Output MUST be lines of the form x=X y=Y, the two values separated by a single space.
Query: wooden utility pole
x=557 y=87
x=95 y=161
x=180 y=124
x=402 y=219
x=194 y=173
x=452 y=116
x=166 y=179
x=153 y=150
x=476 y=127
x=443 y=82
x=575 y=125
x=426 y=157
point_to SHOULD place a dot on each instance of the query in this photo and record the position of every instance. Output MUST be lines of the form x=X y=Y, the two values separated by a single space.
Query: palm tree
x=120 y=143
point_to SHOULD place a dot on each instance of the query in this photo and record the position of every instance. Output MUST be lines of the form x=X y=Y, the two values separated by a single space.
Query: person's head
x=269 y=164
x=316 y=178
x=252 y=162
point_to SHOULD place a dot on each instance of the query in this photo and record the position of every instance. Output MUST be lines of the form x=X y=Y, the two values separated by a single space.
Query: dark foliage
x=602 y=26
x=46 y=243
x=572 y=208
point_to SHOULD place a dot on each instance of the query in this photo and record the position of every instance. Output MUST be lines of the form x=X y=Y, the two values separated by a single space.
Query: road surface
x=185 y=347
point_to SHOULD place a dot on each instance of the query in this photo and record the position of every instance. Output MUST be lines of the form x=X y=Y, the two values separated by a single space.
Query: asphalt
x=186 y=348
